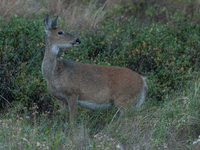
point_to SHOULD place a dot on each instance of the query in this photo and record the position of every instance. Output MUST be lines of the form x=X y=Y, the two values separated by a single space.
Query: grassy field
x=166 y=53
x=174 y=124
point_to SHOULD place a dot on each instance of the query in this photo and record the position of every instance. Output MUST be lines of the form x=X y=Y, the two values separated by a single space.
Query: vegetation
x=166 y=52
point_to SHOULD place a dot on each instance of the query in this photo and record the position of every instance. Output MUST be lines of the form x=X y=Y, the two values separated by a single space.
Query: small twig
x=95 y=17
x=31 y=60
x=6 y=100
x=114 y=115
x=10 y=8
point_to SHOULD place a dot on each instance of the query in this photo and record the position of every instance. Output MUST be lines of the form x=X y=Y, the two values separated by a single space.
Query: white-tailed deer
x=90 y=86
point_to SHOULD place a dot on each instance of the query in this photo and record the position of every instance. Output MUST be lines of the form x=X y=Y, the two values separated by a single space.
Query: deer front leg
x=63 y=108
x=72 y=103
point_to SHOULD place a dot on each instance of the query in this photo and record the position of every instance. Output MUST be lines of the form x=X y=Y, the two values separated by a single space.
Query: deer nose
x=78 y=40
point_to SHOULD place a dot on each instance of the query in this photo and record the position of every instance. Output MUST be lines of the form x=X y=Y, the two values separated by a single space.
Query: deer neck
x=50 y=60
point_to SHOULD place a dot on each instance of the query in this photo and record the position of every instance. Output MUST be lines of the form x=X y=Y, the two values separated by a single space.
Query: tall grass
x=88 y=14
x=171 y=125
x=76 y=14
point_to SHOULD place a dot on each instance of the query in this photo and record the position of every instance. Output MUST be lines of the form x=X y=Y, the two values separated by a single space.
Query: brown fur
x=71 y=81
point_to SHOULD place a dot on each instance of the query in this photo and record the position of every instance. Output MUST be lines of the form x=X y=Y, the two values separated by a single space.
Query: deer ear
x=55 y=22
x=47 y=22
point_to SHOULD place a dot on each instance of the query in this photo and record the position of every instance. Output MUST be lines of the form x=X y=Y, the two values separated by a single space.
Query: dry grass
x=10 y=7
x=79 y=15
x=76 y=14
x=137 y=130
x=171 y=126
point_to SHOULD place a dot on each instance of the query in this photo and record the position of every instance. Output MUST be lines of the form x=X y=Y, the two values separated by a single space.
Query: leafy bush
x=166 y=54
x=21 y=48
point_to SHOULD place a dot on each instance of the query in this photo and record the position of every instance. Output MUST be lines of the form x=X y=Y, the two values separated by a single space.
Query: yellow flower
x=180 y=70
x=102 y=43
x=25 y=63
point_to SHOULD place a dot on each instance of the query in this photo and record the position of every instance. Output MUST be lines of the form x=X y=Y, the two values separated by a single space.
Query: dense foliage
x=21 y=46
x=166 y=54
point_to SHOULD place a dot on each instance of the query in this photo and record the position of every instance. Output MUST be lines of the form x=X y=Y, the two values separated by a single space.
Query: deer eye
x=60 y=33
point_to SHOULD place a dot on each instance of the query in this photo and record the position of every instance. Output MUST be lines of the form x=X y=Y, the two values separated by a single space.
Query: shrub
x=21 y=49
x=166 y=54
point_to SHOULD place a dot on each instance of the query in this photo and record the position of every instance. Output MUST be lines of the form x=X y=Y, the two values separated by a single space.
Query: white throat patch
x=55 y=47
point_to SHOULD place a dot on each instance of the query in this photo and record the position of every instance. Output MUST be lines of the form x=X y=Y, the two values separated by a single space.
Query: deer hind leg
x=122 y=105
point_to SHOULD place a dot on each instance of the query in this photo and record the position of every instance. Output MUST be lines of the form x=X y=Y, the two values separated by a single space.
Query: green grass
x=165 y=53
x=172 y=124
